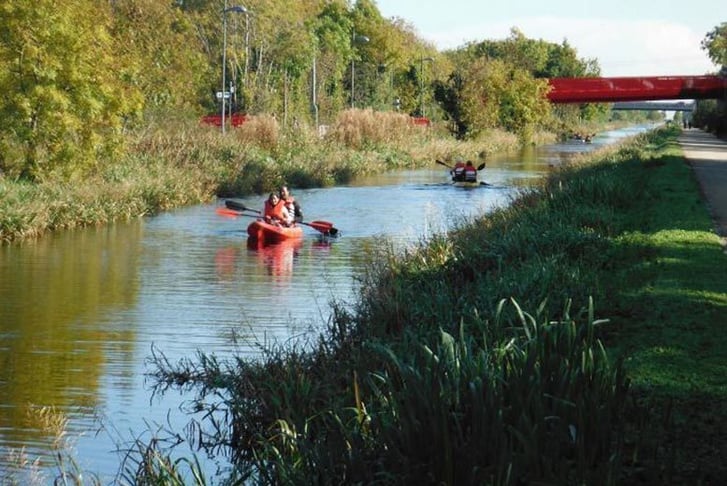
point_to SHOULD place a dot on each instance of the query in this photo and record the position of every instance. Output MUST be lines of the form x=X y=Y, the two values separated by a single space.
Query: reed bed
x=173 y=162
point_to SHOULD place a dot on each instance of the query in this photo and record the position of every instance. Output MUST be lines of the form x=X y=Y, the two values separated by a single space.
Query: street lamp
x=360 y=39
x=235 y=9
x=421 y=82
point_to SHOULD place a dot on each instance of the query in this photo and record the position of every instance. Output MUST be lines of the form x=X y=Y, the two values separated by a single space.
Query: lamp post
x=421 y=82
x=236 y=9
x=314 y=91
x=361 y=39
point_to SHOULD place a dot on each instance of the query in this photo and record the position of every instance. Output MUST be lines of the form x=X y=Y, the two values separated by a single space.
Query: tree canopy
x=63 y=100
x=77 y=74
x=715 y=43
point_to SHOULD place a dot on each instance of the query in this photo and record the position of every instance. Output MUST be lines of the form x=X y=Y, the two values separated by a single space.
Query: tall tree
x=63 y=103
x=332 y=28
x=712 y=114
x=161 y=53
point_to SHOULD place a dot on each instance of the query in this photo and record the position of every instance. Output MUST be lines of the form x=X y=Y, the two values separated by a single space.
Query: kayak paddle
x=479 y=167
x=232 y=204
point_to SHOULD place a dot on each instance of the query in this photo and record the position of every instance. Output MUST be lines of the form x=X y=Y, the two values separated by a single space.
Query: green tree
x=562 y=61
x=481 y=84
x=715 y=43
x=524 y=106
x=63 y=103
x=161 y=53
x=510 y=87
x=492 y=93
x=332 y=28
x=712 y=114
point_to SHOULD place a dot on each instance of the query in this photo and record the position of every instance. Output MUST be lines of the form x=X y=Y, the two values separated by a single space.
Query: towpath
x=707 y=155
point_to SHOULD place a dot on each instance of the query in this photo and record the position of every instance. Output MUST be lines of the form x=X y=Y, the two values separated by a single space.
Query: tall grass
x=173 y=163
x=61 y=468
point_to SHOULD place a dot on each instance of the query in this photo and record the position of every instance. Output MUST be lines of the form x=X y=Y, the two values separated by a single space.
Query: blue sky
x=627 y=37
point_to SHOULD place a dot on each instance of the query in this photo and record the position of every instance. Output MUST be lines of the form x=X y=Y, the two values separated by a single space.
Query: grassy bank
x=571 y=338
x=176 y=163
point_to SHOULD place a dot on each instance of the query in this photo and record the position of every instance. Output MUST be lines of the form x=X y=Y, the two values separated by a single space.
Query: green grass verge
x=676 y=342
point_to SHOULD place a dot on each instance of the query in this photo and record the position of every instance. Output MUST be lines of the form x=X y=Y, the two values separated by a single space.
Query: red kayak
x=269 y=233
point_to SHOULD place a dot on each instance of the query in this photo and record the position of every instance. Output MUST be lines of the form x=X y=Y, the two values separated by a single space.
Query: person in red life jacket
x=291 y=204
x=470 y=172
x=275 y=211
x=458 y=171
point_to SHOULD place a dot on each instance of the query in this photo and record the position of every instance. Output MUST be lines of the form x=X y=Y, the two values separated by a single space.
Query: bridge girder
x=653 y=106
x=641 y=88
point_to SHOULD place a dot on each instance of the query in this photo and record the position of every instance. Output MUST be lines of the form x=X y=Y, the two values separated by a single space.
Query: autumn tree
x=497 y=94
x=63 y=104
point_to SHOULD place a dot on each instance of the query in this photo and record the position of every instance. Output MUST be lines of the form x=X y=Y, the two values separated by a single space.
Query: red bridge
x=607 y=90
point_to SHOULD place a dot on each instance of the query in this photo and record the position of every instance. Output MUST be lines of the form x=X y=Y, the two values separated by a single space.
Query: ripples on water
x=80 y=312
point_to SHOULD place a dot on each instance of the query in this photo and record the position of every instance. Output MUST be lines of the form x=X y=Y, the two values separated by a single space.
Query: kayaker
x=470 y=172
x=275 y=211
x=291 y=204
x=458 y=171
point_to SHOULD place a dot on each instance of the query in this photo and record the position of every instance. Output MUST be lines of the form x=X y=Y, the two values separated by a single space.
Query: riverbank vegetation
x=558 y=340
x=180 y=164
x=563 y=339
x=102 y=106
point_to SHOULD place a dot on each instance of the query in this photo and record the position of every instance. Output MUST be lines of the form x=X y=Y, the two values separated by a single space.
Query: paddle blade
x=228 y=213
x=324 y=227
x=321 y=224
x=481 y=166
x=442 y=163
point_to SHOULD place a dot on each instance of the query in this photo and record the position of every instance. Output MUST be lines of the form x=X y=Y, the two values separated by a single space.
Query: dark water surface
x=82 y=311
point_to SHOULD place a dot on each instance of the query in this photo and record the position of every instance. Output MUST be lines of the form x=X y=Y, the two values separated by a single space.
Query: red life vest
x=458 y=172
x=277 y=213
x=470 y=173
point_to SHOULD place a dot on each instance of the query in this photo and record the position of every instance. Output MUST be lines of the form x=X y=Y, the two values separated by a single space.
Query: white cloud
x=622 y=48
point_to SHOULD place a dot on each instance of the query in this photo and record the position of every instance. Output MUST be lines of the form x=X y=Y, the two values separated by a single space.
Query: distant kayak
x=469 y=184
x=269 y=233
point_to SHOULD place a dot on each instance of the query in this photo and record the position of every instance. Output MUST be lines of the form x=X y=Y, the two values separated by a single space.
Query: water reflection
x=81 y=311
x=225 y=260
x=54 y=294
x=277 y=258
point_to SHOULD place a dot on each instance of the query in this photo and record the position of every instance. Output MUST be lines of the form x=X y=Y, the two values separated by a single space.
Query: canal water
x=82 y=312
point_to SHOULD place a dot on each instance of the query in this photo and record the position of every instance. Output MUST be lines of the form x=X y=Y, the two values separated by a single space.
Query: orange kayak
x=269 y=233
